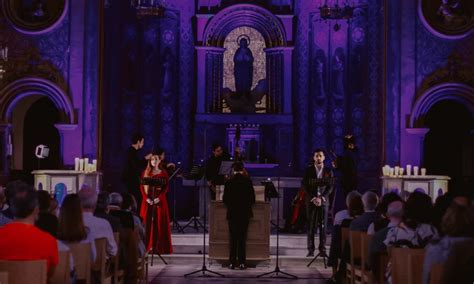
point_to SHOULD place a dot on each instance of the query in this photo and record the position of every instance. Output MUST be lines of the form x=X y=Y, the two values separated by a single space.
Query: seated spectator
x=20 y=239
x=8 y=191
x=102 y=211
x=115 y=207
x=344 y=214
x=3 y=207
x=127 y=205
x=46 y=221
x=383 y=221
x=442 y=203
x=415 y=231
x=361 y=223
x=394 y=214
x=457 y=226
x=459 y=264
x=98 y=227
x=71 y=227
x=355 y=208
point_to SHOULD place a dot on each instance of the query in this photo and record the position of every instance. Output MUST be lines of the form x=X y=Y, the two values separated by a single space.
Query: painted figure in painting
x=243 y=69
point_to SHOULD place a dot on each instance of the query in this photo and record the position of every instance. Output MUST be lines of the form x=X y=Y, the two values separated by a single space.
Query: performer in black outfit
x=239 y=197
x=318 y=185
x=213 y=166
x=346 y=166
x=134 y=165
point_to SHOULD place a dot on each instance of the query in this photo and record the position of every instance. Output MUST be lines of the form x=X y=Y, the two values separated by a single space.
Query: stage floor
x=188 y=258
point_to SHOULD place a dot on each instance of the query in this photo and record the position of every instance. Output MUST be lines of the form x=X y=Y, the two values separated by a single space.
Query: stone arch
x=249 y=15
x=25 y=87
x=449 y=91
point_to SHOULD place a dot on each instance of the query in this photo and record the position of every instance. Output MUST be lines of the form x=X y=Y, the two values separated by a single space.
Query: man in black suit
x=213 y=166
x=239 y=197
x=318 y=185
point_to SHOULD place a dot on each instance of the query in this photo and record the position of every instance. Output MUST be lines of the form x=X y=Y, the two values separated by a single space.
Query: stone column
x=209 y=78
x=5 y=151
x=279 y=63
x=413 y=153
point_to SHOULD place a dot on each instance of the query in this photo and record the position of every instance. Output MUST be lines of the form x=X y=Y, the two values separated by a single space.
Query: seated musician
x=318 y=185
x=239 y=197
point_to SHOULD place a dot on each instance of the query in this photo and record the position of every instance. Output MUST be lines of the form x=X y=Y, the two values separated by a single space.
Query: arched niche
x=210 y=53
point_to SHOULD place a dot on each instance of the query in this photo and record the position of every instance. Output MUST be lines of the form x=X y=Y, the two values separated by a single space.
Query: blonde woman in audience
x=458 y=226
x=71 y=227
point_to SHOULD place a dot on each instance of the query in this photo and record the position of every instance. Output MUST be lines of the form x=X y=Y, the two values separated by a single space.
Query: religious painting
x=35 y=16
x=448 y=18
x=245 y=86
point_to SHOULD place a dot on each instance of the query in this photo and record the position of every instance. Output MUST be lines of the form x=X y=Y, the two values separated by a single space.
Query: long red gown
x=157 y=231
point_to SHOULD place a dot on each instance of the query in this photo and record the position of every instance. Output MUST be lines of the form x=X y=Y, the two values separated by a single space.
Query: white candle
x=401 y=171
x=408 y=170
x=94 y=165
x=397 y=171
x=423 y=171
x=415 y=170
x=392 y=172
x=76 y=164
x=81 y=165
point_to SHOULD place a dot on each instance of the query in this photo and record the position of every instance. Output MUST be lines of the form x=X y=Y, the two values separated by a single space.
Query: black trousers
x=317 y=220
x=238 y=240
x=134 y=189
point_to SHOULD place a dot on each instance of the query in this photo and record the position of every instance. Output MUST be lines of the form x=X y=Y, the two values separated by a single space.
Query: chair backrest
x=101 y=254
x=383 y=260
x=344 y=237
x=436 y=273
x=3 y=277
x=20 y=272
x=355 y=240
x=62 y=273
x=407 y=265
x=129 y=244
x=81 y=253
x=365 y=241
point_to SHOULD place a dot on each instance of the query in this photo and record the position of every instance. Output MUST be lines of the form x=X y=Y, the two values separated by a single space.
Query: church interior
x=270 y=84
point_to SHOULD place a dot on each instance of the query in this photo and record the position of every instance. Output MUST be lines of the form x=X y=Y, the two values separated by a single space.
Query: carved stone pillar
x=5 y=150
x=209 y=78
x=279 y=79
x=70 y=144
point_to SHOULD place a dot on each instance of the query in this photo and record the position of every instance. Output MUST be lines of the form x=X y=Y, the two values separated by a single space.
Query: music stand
x=204 y=269
x=277 y=271
x=196 y=174
x=318 y=183
x=152 y=183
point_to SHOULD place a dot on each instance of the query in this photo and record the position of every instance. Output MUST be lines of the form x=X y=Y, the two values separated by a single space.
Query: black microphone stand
x=204 y=268
x=173 y=218
x=277 y=271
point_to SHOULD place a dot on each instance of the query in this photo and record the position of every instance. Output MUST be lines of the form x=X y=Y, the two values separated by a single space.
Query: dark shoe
x=232 y=266
x=242 y=266
x=310 y=254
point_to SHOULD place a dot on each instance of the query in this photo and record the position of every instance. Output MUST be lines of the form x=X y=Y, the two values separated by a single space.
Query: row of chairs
x=108 y=271
x=406 y=263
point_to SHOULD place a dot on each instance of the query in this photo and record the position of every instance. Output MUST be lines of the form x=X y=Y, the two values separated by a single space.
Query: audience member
x=71 y=227
x=361 y=223
x=115 y=207
x=102 y=211
x=344 y=214
x=457 y=226
x=383 y=221
x=46 y=221
x=98 y=228
x=394 y=214
x=127 y=205
x=415 y=230
x=20 y=239
x=9 y=190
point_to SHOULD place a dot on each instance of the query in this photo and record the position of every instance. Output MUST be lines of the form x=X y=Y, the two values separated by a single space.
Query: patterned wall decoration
x=142 y=88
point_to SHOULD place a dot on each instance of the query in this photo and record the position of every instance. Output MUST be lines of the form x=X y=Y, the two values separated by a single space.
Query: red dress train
x=157 y=218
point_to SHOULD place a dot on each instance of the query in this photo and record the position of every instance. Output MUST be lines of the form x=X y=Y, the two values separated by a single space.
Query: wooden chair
x=354 y=268
x=118 y=273
x=407 y=265
x=99 y=268
x=383 y=260
x=21 y=272
x=3 y=277
x=62 y=273
x=367 y=276
x=436 y=273
x=81 y=252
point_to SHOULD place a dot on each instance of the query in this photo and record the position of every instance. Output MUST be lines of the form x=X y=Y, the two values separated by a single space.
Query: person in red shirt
x=20 y=239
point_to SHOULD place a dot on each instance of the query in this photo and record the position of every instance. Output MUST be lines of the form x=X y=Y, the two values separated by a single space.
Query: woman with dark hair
x=46 y=221
x=154 y=209
x=71 y=227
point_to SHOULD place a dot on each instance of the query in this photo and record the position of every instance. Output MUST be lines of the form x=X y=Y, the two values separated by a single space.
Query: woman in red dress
x=154 y=210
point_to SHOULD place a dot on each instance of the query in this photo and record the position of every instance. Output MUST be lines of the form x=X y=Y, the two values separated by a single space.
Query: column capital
x=210 y=48
x=417 y=131
x=65 y=127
